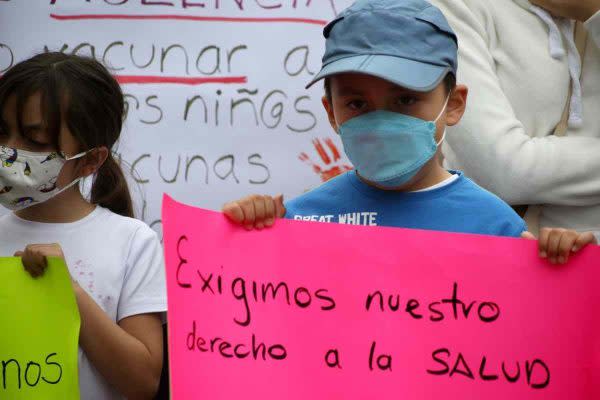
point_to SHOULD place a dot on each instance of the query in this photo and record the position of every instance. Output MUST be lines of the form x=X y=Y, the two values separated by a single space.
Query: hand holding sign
x=255 y=211
x=35 y=257
x=557 y=244
x=290 y=313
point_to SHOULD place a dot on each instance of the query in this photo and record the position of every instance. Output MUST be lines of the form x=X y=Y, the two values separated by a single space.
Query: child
x=61 y=115
x=389 y=70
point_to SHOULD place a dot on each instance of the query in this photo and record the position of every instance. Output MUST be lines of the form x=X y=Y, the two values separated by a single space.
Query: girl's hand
x=34 y=257
x=558 y=244
x=581 y=10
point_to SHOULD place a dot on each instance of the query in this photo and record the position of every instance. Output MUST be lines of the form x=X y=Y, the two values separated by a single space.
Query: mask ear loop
x=443 y=109
x=439 y=116
x=442 y=139
x=75 y=157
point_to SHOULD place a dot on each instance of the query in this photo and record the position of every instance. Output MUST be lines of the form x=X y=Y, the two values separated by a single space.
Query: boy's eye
x=407 y=100
x=356 y=104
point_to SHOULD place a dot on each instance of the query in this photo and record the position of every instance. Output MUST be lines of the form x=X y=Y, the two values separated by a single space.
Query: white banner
x=215 y=89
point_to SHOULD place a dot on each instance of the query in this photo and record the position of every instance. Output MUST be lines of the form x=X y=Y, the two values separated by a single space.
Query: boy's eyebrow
x=352 y=91
x=349 y=91
x=400 y=89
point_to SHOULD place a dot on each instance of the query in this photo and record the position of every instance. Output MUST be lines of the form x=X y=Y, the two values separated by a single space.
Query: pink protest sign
x=325 y=311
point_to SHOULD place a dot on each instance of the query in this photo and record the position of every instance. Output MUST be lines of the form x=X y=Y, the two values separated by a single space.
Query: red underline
x=186 y=18
x=144 y=79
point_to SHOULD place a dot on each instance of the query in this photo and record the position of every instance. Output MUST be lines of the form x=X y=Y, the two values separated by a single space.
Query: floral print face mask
x=28 y=178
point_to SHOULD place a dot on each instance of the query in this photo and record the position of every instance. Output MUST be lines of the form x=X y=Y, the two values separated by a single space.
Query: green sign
x=39 y=333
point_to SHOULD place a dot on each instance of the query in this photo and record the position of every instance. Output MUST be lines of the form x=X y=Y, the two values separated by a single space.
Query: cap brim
x=410 y=74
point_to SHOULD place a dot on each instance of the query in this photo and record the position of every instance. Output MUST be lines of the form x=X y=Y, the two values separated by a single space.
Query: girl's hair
x=81 y=93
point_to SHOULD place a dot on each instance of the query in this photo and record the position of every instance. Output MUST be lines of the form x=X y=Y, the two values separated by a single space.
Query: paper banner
x=39 y=333
x=326 y=311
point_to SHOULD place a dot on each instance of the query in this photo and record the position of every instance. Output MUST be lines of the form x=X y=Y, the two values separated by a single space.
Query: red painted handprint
x=332 y=163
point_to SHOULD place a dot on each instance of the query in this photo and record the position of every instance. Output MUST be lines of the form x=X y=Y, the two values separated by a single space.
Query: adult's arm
x=492 y=145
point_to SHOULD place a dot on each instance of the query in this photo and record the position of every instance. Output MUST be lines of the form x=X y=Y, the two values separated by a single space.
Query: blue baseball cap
x=406 y=42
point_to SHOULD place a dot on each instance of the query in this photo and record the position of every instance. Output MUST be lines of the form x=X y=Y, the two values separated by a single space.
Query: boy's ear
x=329 y=108
x=457 y=104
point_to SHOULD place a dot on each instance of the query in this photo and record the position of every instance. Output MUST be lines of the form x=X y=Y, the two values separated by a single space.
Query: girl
x=60 y=117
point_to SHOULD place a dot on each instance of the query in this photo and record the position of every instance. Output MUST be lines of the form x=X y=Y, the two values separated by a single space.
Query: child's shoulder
x=490 y=209
x=479 y=195
x=123 y=226
x=326 y=195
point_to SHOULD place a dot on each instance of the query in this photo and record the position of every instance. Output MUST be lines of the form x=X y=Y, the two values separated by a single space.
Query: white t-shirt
x=118 y=261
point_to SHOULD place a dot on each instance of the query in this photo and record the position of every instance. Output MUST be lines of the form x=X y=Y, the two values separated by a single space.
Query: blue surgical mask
x=389 y=148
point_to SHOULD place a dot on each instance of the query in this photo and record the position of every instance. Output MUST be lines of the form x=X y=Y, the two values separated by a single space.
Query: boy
x=389 y=70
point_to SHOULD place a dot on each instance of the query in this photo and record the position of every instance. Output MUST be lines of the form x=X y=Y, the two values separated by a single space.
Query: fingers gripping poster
x=216 y=105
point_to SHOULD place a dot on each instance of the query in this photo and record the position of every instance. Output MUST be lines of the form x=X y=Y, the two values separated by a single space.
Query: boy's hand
x=557 y=244
x=581 y=10
x=34 y=257
x=255 y=211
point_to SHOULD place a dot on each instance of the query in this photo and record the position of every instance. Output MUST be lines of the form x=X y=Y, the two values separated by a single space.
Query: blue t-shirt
x=461 y=206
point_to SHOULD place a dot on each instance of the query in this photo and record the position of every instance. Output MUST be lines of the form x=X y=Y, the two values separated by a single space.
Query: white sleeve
x=144 y=287
x=593 y=27
x=491 y=144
